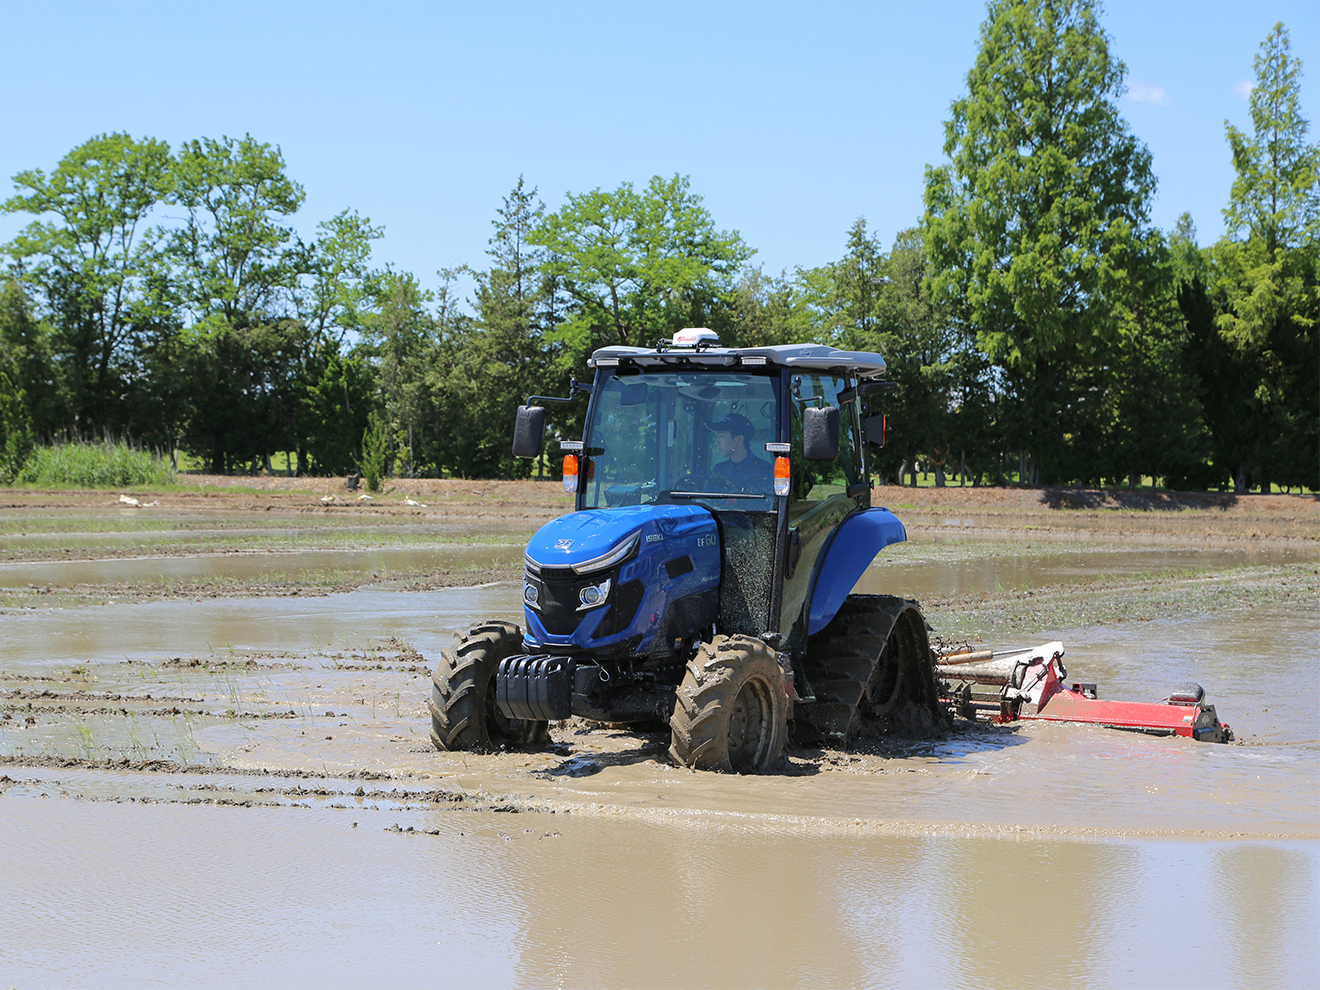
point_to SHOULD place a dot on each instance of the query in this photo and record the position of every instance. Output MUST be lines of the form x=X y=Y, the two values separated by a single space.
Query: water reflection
x=298 y=897
x=1263 y=894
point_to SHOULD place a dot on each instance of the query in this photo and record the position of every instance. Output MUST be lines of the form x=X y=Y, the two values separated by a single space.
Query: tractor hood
x=587 y=541
x=631 y=578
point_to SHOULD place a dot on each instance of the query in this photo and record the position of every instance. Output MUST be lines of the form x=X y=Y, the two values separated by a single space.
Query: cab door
x=822 y=496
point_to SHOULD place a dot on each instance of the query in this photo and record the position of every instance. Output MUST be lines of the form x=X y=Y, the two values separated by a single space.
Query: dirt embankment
x=1215 y=516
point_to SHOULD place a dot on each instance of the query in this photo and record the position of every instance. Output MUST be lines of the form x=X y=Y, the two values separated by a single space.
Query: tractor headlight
x=593 y=595
x=531 y=594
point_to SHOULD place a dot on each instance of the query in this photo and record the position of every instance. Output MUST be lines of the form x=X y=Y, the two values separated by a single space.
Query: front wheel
x=464 y=715
x=731 y=711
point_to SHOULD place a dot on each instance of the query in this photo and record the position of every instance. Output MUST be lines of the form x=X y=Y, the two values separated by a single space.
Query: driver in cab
x=743 y=471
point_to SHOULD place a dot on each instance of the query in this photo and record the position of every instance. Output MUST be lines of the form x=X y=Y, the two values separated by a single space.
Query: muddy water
x=255 y=565
x=115 y=895
x=908 y=570
x=1040 y=855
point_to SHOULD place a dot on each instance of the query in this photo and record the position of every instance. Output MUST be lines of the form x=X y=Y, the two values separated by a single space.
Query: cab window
x=815 y=481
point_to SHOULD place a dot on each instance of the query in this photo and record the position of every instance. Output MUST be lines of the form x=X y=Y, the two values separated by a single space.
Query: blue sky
x=792 y=119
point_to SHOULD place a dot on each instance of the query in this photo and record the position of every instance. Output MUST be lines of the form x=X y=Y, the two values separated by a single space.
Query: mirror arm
x=574 y=387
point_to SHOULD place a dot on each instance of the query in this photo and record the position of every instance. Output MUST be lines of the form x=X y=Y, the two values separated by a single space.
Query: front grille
x=627 y=599
x=559 y=600
x=557 y=574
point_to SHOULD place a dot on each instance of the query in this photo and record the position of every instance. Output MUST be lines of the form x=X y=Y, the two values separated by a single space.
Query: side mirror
x=820 y=433
x=875 y=428
x=529 y=431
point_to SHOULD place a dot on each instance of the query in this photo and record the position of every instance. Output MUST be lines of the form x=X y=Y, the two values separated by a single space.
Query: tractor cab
x=765 y=444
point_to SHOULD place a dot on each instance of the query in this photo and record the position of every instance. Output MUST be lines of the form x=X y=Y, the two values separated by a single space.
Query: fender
x=848 y=555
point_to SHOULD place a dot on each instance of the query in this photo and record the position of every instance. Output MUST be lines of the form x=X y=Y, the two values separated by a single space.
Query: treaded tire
x=462 y=703
x=731 y=711
x=871 y=663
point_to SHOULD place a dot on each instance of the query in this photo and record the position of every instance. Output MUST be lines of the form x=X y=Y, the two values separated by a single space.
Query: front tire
x=731 y=711
x=462 y=704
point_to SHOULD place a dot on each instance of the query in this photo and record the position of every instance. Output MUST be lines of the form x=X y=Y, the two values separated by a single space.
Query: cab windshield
x=681 y=437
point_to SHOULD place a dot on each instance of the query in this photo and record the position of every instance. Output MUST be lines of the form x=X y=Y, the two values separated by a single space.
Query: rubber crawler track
x=870 y=663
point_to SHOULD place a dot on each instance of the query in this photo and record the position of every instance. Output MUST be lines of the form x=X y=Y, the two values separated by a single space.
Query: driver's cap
x=737 y=425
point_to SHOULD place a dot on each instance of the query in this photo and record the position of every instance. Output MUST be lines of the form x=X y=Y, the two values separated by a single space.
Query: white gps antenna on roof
x=691 y=336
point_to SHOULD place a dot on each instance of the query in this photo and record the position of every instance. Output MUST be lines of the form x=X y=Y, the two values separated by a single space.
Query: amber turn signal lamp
x=782 y=476
x=570 y=472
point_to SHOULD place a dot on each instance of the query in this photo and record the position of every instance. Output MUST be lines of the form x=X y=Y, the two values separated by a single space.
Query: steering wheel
x=692 y=483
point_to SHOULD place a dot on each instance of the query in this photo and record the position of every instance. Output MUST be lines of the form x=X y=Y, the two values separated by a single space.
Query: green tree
x=1274 y=195
x=637 y=266
x=1037 y=219
x=507 y=355
x=245 y=387
x=26 y=355
x=16 y=440
x=401 y=338
x=234 y=261
x=375 y=453
x=88 y=256
x=1151 y=419
x=339 y=285
x=943 y=411
x=852 y=291
x=767 y=310
x=236 y=268
x=335 y=410
x=1265 y=284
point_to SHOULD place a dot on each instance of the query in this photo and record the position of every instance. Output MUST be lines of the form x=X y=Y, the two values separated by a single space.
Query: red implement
x=1033 y=688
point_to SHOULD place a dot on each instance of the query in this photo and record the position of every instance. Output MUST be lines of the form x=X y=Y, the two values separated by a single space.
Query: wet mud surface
x=263 y=757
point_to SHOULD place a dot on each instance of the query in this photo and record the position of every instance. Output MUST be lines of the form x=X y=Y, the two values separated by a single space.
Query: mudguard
x=849 y=553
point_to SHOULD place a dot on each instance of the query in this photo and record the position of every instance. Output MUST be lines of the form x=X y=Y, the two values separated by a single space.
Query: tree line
x=1040 y=327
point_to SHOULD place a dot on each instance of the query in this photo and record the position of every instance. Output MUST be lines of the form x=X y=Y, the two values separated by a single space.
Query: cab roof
x=803 y=357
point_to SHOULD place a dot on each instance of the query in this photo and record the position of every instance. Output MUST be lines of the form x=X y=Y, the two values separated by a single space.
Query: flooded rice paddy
x=240 y=790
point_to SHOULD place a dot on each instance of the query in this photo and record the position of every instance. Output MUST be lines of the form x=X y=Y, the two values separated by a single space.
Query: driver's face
x=724 y=443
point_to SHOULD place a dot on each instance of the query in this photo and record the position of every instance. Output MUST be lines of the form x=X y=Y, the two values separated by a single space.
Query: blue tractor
x=723 y=516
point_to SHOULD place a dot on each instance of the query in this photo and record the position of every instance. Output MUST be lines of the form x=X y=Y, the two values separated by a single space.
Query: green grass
x=95 y=465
